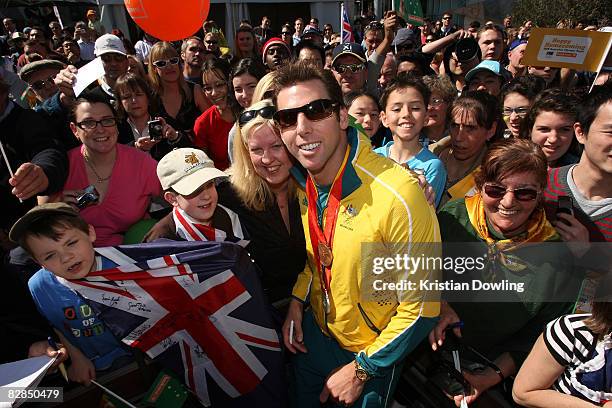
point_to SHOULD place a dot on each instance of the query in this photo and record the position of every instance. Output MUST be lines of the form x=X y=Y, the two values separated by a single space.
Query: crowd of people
x=308 y=150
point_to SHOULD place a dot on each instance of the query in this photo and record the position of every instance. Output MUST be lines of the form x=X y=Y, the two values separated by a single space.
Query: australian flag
x=197 y=308
x=347 y=30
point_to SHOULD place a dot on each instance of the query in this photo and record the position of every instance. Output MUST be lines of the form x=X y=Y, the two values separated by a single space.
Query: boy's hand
x=81 y=370
x=42 y=348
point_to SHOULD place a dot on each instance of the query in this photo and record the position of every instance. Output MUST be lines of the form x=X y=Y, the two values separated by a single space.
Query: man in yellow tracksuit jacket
x=349 y=344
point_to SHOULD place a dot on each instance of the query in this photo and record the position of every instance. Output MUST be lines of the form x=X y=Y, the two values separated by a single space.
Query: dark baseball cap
x=310 y=31
x=353 y=49
x=405 y=35
x=35 y=214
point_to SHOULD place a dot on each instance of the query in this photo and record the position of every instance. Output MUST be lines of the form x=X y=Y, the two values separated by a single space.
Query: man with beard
x=192 y=53
x=275 y=53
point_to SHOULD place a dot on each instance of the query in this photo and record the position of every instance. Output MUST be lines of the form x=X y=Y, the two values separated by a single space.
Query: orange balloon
x=168 y=20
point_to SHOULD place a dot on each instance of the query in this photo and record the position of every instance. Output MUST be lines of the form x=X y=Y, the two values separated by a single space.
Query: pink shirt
x=132 y=185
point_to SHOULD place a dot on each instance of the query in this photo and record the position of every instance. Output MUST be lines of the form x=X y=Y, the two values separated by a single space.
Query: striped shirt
x=575 y=347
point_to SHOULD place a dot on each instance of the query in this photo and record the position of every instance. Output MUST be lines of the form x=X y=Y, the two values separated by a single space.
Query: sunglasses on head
x=267 y=112
x=342 y=68
x=521 y=194
x=42 y=83
x=314 y=111
x=375 y=25
x=163 y=63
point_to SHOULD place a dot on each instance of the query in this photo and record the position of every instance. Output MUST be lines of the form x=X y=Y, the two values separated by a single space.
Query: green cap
x=35 y=214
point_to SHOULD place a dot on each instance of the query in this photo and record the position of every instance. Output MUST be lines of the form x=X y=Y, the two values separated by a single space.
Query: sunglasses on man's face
x=163 y=63
x=42 y=83
x=342 y=68
x=267 y=112
x=314 y=111
x=521 y=194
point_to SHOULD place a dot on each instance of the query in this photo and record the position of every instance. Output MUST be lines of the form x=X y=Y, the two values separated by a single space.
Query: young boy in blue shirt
x=62 y=243
x=404 y=111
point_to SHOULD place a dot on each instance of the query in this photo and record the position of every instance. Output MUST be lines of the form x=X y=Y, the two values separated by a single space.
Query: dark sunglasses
x=446 y=18
x=213 y=42
x=314 y=111
x=42 y=83
x=521 y=194
x=163 y=63
x=286 y=33
x=342 y=68
x=267 y=112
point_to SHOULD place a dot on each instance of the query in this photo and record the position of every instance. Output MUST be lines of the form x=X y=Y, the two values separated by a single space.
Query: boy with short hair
x=187 y=177
x=62 y=243
x=404 y=112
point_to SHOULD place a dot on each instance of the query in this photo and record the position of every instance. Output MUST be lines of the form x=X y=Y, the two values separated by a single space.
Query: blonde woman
x=172 y=96
x=263 y=90
x=262 y=193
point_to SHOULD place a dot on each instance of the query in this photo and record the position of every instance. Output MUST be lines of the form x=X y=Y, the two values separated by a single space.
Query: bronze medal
x=325 y=255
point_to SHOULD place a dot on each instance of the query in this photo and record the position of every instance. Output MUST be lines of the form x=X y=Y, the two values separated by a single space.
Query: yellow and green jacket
x=381 y=203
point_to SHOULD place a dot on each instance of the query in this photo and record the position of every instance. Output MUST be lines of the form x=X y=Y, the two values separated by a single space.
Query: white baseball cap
x=108 y=43
x=185 y=170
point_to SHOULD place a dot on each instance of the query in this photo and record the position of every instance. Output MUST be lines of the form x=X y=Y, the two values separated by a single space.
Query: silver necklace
x=93 y=169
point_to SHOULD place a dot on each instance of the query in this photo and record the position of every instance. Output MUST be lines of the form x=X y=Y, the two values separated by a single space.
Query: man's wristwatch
x=360 y=373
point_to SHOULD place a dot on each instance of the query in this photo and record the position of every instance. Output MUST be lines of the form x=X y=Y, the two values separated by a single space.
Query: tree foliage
x=546 y=13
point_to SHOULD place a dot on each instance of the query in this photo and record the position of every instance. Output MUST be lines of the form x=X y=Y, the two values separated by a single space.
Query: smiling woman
x=213 y=126
x=262 y=193
x=506 y=214
x=111 y=184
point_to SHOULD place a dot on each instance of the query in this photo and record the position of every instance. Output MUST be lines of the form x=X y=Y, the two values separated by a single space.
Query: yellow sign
x=575 y=49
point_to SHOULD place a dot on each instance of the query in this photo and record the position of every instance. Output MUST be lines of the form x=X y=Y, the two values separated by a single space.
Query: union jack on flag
x=347 y=30
x=197 y=308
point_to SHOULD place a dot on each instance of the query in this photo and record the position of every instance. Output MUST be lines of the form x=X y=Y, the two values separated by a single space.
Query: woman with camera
x=505 y=220
x=172 y=98
x=151 y=134
x=112 y=184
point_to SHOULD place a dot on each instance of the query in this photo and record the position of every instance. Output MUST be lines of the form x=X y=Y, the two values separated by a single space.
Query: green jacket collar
x=350 y=179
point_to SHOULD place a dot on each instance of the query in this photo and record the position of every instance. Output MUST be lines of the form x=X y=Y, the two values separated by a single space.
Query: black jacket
x=28 y=137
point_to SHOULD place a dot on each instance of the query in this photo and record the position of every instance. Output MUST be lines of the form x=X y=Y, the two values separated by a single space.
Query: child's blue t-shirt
x=70 y=313
x=429 y=163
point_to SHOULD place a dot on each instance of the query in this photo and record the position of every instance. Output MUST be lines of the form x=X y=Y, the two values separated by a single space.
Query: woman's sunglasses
x=521 y=194
x=267 y=112
x=314 y=111
x=163 y=63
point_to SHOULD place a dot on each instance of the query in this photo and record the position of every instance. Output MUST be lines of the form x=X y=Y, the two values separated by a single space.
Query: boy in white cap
x=187 y=177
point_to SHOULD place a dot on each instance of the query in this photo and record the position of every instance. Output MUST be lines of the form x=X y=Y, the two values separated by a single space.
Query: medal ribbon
x=331 y=214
